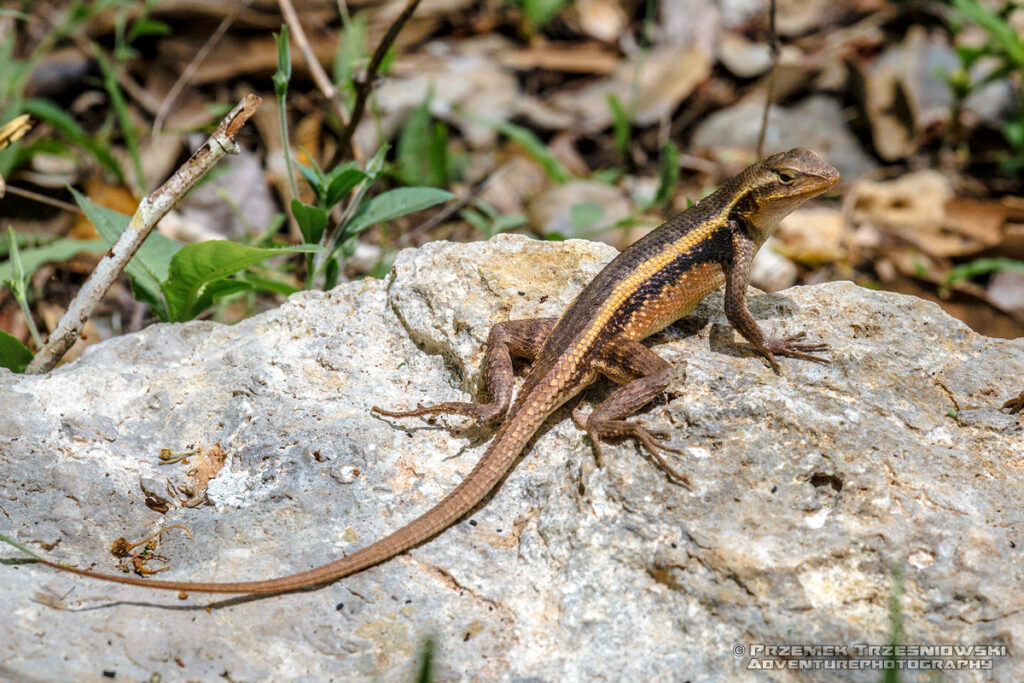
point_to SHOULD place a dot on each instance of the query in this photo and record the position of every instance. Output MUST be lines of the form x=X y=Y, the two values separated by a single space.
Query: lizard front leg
x=519 y=338
x=737 y=275
x=643 y=375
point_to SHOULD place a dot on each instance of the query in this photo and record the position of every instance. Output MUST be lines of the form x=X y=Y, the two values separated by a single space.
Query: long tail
x=509 y=440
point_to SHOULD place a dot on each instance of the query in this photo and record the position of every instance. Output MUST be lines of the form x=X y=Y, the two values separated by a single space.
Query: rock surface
x=810 y=490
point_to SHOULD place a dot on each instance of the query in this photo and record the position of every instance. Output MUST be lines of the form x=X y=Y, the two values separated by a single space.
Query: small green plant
x=540 y=12
x=361 y=212
x=18 y=283
x=14 y=73
x=425 y=671
x=180 y=282
x=532 y=145
x=981 y=266
x=422 y=154
x=892 y=673
x=333 y=187
x=622 y=127
x=281 y=78
x=668 y=174
x=350 y=56
x=1005 y=48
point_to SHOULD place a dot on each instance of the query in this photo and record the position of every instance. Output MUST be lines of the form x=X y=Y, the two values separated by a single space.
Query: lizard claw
x=653 y=441
x=480 y=413
x=792 y=346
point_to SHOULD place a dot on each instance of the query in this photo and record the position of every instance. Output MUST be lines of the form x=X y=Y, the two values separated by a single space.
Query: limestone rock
x=809 y=490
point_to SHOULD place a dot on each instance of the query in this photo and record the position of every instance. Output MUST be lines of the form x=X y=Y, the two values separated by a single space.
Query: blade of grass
x=131 y=138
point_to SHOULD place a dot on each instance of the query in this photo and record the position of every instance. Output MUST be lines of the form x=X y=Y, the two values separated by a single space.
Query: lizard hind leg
x=518 y=338
x=642 y=375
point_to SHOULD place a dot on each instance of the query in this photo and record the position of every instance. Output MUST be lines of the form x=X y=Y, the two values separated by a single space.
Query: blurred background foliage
x=559 y=119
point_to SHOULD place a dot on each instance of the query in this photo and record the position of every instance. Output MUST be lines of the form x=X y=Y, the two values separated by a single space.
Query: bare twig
x=319 y=75
x=773 y=45
x=150 y=211
x=365 y=83
x=42 y=199
x=193 y=66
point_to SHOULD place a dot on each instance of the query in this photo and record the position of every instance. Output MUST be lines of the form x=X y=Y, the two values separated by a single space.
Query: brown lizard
x=654 y=282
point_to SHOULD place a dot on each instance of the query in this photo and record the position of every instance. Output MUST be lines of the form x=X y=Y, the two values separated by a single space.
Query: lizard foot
x=653 y=441
x=481 y=413
x=794 y=347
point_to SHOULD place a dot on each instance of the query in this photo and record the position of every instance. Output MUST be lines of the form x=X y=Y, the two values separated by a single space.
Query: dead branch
x=364 y=85
x=151 y=210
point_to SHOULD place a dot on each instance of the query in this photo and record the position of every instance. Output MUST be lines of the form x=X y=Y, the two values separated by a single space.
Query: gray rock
x=809 y=490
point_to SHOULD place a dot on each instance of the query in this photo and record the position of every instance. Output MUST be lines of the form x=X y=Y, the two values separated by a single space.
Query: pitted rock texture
x=810 y=491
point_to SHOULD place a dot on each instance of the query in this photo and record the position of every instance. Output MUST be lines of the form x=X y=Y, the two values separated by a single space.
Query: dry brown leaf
x=204 y=467
x=919 y=208
x=982 y=221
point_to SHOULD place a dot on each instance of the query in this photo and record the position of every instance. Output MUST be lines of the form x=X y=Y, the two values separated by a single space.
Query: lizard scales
x=654 y=282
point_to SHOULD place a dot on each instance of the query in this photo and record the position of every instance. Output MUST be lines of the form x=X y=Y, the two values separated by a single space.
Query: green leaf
x=341 y=181
x=218 y=290
x=620 y=124
x=351 y=50
x=969 y=54
x=998 y=28
x=284 y=62
x=14 y=355
x=392 y=204
x=151 y=262
x=477 y=220
x=423 y=149
x=131 y=138
x=540 y=12
x=376 y=163
x=533 y=146
x=668 y=174
x=54 y=252
x=266 y=284
x=1013 y=131
x=312 y=221
x=153 y=298
x=508 y=222
x=982 y=266
x=147 y=27
x=438 y=162
x=45 y=110
x=315 y=177
x=197 y=266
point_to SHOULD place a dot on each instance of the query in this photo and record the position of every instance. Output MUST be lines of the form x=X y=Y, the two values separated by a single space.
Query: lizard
x=649 y=285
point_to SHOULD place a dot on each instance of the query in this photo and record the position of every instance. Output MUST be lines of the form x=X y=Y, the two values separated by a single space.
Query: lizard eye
x=786 y=177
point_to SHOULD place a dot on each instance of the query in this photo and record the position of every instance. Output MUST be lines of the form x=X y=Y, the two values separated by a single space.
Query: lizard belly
x=675 y=299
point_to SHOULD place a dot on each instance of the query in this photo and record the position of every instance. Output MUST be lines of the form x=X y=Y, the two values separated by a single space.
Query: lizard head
x=773 y=188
